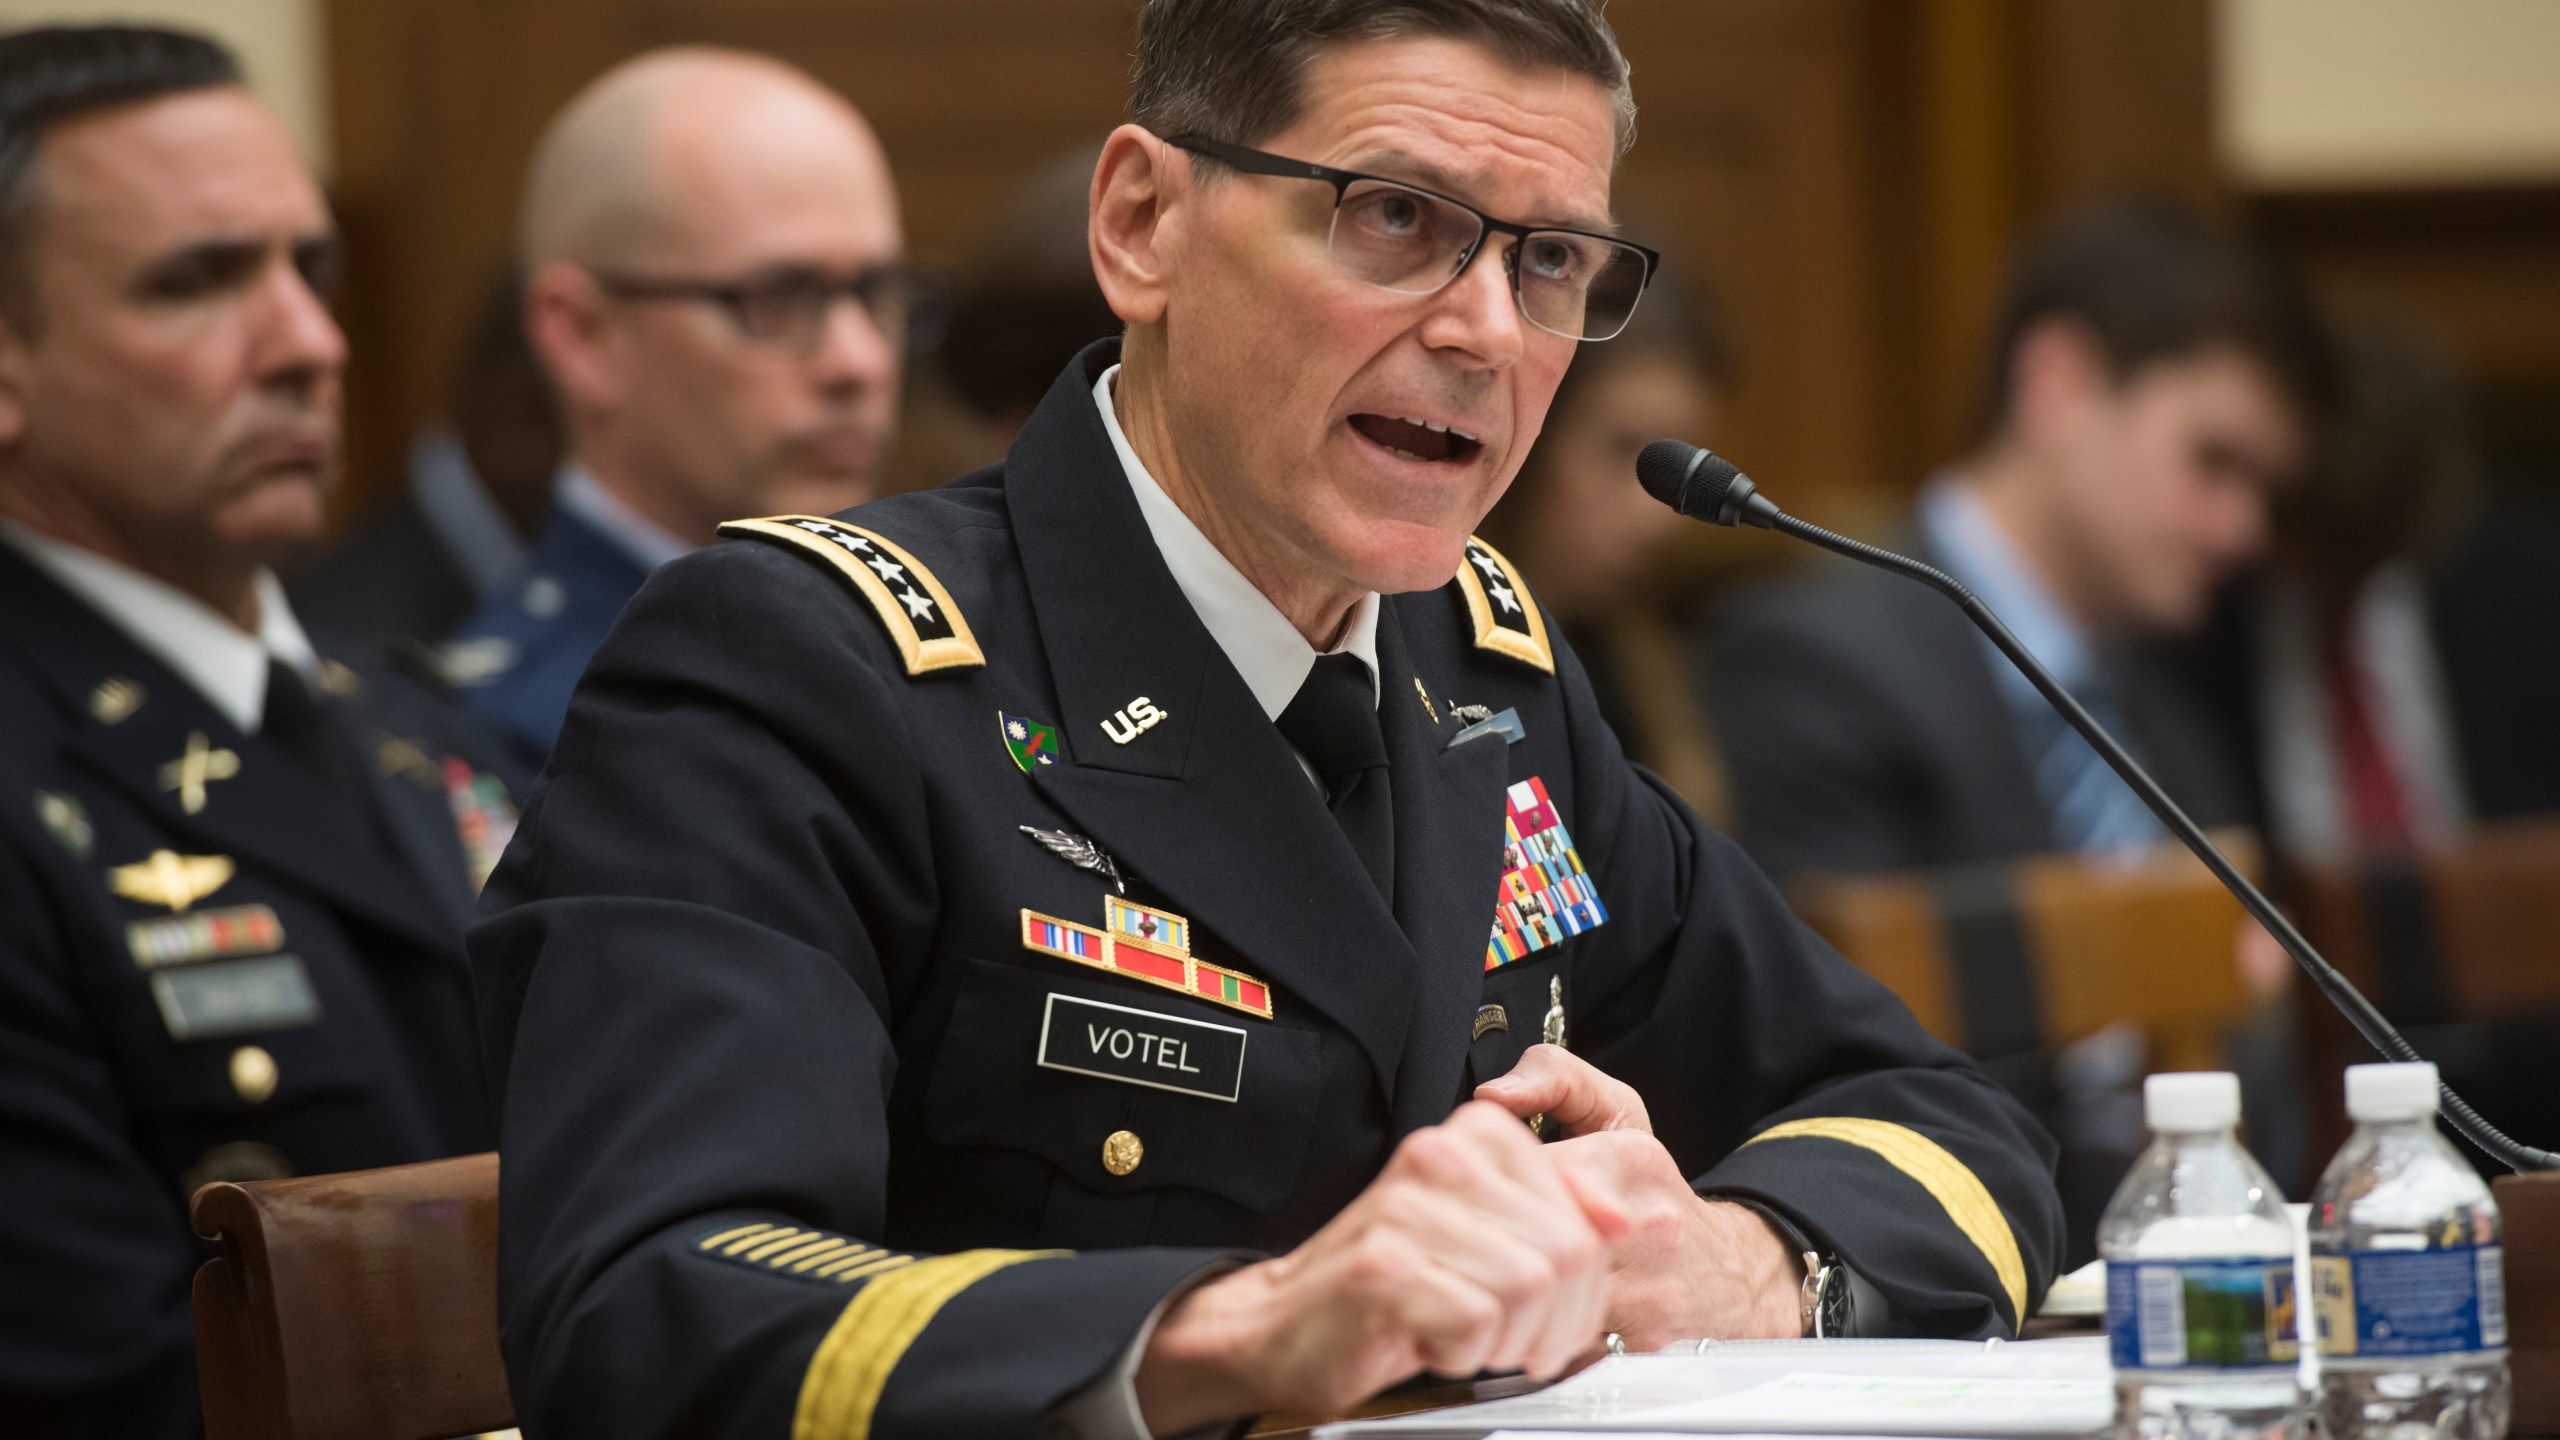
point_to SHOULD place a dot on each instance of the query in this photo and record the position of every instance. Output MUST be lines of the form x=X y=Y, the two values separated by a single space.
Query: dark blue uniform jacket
x=270 y=985
x=801 y=1136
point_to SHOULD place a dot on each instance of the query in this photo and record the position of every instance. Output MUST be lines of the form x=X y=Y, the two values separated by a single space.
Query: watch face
x=1831 y=1315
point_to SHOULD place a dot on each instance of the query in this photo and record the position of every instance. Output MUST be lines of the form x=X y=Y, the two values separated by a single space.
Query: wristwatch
x=1826 y=1297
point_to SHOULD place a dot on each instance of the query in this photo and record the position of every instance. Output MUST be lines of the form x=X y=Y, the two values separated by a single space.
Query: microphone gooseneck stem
x=2342 y=993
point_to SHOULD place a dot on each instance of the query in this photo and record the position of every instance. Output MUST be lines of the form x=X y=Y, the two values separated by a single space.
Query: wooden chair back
x=2466 y=932
x=2043 y=952
x=2460 y=947
x=352 y=1307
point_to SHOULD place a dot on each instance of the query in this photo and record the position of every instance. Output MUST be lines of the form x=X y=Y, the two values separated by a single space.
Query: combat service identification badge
x=1028 y=741
x=1144 y=943
x=1545 y=895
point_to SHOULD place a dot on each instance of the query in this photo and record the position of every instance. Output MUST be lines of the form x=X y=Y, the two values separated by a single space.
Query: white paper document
x=1933 y=1388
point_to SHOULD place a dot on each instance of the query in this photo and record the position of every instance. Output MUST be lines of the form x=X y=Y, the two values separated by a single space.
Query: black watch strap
x=1826 y=1295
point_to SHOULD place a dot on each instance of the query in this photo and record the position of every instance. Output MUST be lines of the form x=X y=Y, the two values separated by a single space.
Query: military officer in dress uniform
x=1016 y=958
x=234 y=866
x=690 y=222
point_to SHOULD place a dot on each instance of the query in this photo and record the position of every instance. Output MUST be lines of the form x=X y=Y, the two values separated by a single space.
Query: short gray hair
x=1233 y=69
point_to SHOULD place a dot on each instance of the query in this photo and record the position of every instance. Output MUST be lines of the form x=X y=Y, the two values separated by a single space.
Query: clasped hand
x=1478 y=1248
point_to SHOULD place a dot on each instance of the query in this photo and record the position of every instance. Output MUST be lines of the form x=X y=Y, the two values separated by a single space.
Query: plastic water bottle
x=2407 y=1274
x=2200 y=1297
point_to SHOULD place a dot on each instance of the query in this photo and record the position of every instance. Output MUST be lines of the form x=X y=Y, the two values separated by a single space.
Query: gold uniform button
x=1122 y=1151
x=253 y=1073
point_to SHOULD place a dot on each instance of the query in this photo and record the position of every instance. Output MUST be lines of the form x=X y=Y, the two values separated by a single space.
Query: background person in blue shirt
x=714 y=285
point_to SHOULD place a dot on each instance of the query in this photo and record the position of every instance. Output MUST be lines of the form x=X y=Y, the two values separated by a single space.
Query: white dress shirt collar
x=634 y=534
x=1971 y=545
x=224 y=663
x=1258 y=640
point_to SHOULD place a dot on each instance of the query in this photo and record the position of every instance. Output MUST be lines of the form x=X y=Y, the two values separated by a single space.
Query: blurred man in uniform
x=1019 y=955
x=714 y=283
x=234 y=868
x=477 y=490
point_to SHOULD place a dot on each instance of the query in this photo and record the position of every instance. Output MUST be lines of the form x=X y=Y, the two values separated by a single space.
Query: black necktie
x=1333 y=721
x=298 y=722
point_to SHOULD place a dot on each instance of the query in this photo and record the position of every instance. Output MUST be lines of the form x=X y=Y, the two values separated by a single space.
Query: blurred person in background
x=234 y=866
x=1587 y=537
x=2153 y=385
x=2147 y=396
x=1022 y=302
x=479 y=485
x=715 y=283
x=2379 y=665
x=2356 y=740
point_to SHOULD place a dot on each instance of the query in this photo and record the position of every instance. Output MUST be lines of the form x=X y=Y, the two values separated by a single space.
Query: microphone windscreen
x=1663 y=469
x=1692 y=481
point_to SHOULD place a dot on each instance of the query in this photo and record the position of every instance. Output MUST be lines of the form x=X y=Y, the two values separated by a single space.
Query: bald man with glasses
x=714 y=284
x=1073 y=952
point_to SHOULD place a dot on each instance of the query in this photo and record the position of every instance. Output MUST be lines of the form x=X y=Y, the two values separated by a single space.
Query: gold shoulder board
x=912 y=605
x=1506 y=619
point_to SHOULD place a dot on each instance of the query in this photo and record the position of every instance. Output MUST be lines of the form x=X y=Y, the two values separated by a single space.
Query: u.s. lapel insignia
x=202 y=764
x=1080 y=852
x=338 y=680
x=67 y=820
x=484 y=819
x=1145 y=943
x=206 y=935
x=912 y=605
x=115 y=699
x=406 y=759
x=1506 y=620
x=1028 y=741
x=1545 y=897
x=168 y=878
x=1134 y=719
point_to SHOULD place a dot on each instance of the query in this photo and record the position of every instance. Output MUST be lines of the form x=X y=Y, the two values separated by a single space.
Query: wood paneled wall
x=1847 y=173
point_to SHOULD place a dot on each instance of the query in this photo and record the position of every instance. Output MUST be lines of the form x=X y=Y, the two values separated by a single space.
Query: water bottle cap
x=2191 y=1100
x=2391 y=1092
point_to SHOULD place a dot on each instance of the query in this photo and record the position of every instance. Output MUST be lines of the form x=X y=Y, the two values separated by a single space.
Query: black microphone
x=1702 y=486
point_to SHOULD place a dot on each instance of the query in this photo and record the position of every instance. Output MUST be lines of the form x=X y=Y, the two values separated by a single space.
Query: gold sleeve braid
x=1957 y=1189
x=841 y=1392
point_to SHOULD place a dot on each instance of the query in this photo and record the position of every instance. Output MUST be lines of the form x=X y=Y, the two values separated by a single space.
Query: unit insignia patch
x=1545 y=896
x=912 y=605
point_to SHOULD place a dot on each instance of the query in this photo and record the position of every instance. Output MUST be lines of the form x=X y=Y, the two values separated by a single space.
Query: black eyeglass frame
x=863 y=287
x=1263 y=162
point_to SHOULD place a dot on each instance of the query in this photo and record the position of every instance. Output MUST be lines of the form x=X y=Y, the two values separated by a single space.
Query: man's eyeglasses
x=789 y=307
x=1414 y=241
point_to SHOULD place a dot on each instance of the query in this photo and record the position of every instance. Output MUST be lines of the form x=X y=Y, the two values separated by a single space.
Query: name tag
x=1141 y=1047
x=235 y=997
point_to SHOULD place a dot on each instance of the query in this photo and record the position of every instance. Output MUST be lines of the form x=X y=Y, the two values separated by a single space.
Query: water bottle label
x=2411 y=1302
x=2200 y=1314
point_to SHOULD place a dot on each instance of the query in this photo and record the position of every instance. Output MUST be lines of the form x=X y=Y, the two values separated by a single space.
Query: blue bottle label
x=2411 y=1302
x=2200 y=1314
